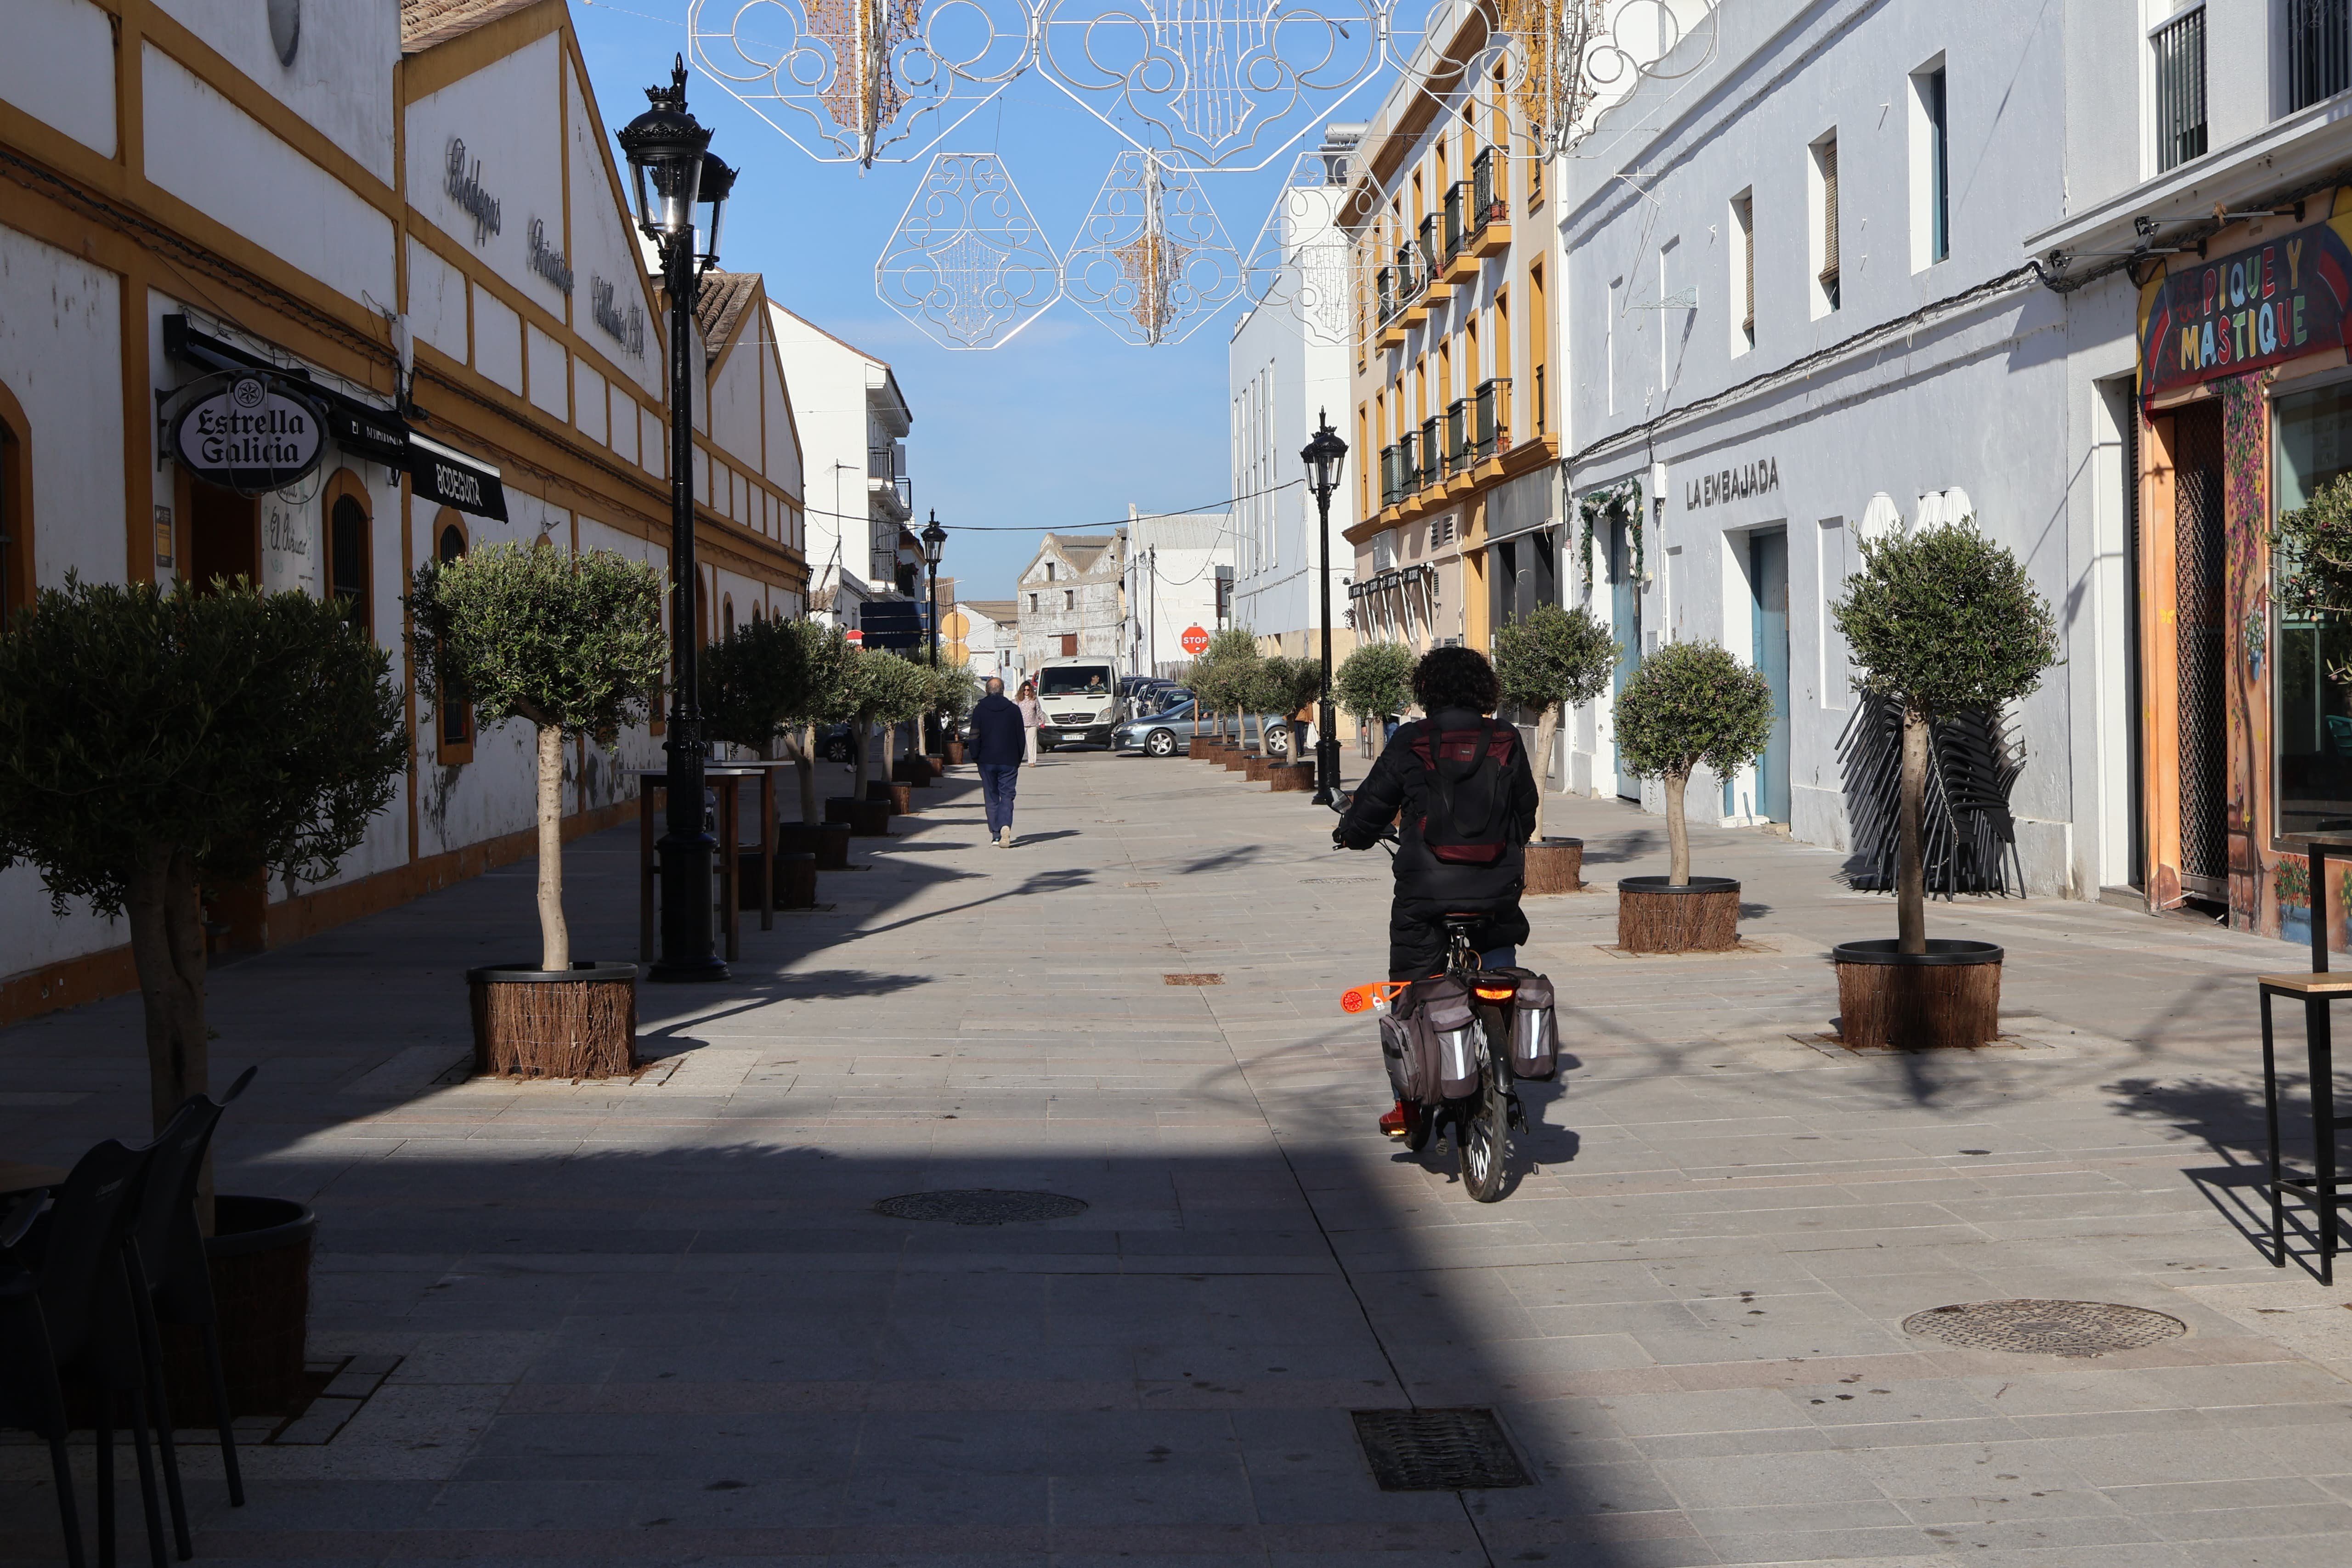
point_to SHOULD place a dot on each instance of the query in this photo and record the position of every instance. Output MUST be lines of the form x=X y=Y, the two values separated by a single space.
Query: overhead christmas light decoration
x=1211 y=84
x=967 y=263
x=1151 y=262
x=861 y=81
x=1299 y=263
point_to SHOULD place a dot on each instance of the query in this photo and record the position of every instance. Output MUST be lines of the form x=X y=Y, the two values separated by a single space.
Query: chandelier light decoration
x=1151 y=262
x=967 y=263
x=1195 y=88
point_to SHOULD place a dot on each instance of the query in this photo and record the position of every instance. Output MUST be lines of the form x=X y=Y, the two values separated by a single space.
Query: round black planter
x=1554 y=866
x=1948 y=997
x=1655 y=915
x=261 y=1261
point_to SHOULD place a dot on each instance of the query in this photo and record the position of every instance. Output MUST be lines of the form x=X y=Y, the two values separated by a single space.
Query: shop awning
x=441 y=474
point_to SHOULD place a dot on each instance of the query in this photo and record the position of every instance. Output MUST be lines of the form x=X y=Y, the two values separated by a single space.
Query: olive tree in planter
x=1375 y=684
x=1294 y=684
x=752 y=681
x=1233 y=653
x=571 y=645
x=153 y=744
x=824 y=658
x=955 y=689
x=900 y=691
x=1941 y=621
x=1690 y=704
x=1553 y=657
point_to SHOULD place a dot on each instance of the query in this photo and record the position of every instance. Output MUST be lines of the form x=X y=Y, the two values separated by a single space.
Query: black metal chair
x=172 y=1282
x=80 y=1289
x=2323 y=1189
x=30 y=1397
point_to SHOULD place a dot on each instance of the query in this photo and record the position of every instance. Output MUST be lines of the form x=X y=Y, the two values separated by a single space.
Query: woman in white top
x=1031 y=716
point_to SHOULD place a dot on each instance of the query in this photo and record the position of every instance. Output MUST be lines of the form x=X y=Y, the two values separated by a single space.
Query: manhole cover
x=2045 y=1328
x=1438 y=1450
x=1194 y=979
x=981 y=1205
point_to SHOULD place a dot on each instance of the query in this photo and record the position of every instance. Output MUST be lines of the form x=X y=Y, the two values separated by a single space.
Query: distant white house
x=1070 y=599
x=853 y=421
x=1180 y=576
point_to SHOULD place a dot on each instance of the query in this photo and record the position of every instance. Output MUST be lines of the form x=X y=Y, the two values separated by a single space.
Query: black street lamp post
x=1323 y=456
x=935 y=539
x=669 y=156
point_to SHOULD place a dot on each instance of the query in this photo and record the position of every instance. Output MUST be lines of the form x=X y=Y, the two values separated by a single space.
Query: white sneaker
x=1005 y=841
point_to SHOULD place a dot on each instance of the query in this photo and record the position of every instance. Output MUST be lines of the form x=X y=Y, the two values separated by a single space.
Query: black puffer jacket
x=1398 y=790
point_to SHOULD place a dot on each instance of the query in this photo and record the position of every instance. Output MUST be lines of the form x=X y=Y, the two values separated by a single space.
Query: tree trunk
x=860 y=741
x=804 y=764
x=1911 y=867
x=165 y=909
x=1547 y=728
x=890 y=750
x=554 y=936
x=1677 y=832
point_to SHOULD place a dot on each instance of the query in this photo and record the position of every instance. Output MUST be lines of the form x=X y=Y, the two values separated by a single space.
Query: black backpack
x=1467 y=821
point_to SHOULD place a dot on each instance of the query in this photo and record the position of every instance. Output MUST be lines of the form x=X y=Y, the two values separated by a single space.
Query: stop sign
x=1194 y=641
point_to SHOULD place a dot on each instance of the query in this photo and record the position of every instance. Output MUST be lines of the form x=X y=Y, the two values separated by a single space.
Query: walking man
x=999 y=740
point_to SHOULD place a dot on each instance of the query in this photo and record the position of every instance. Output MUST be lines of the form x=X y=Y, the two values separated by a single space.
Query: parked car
x=1164 y=734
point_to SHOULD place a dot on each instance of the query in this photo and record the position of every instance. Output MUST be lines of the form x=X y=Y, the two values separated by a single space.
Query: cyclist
x=1459 y=787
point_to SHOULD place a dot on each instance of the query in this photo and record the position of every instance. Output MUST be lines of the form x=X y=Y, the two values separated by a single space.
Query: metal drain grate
x=1438 y=1450
x=1193 y=979
x=1328 y=881
x=981 y=1205
x=2045 y=1328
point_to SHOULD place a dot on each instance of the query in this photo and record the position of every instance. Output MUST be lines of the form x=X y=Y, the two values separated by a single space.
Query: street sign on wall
x=1195 y=641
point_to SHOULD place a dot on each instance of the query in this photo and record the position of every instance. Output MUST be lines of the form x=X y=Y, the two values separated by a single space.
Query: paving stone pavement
x=661 y=1321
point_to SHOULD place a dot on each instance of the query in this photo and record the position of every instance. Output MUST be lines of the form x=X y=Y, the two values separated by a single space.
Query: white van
x=1079 y=699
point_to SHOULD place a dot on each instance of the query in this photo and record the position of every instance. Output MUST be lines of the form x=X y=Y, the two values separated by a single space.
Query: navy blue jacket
x=998 y=736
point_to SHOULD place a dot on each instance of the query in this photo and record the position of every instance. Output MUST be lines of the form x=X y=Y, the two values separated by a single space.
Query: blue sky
x=1061 y=429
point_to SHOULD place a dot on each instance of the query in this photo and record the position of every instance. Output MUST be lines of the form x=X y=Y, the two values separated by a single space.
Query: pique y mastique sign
x=2284 y=298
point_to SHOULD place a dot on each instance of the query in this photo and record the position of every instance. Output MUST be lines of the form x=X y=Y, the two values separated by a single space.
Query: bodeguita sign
x=2287 y=297
x=245 y=430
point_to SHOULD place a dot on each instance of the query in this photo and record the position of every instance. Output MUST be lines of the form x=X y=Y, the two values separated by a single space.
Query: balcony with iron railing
x=1433 y=463
x=1391 y=490
x=1458 y=438
x=1490 y=203
x=2318 y=50
x=1490 y=434
x=886 y=482
x=1457 y=217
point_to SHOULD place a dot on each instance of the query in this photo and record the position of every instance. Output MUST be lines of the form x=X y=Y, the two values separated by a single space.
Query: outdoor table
x=2317 y=990
x=16 y=1177
x=651 y=779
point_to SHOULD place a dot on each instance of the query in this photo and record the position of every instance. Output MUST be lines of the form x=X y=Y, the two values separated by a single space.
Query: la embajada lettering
x=1730 y=484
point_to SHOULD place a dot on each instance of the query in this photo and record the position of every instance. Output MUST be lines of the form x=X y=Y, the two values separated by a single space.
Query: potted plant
x=824 y=655
x=1690 y=704
x=954 y=691
x=900 y=690
x=153 y=744
x=866 y=689
x=1204 y=678
x=1294 y=684
x=1265 y=695
x=1233 y=653
x=1551 y=660
x=1941 y=621
x=573 y=645
x=752 y=681
x=1375 y=684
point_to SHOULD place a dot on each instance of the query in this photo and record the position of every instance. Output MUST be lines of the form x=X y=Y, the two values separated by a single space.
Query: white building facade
x=1796 y=315
x=1071 y=599
x=1287 y=369
x=1181 y=578
x=853 y=423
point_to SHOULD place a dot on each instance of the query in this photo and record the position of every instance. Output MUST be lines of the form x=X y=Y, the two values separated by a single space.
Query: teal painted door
x=1625 y=625
x=1767 y=576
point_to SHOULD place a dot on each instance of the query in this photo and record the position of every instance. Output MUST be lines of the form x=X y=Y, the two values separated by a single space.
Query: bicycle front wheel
x=1484 y=1135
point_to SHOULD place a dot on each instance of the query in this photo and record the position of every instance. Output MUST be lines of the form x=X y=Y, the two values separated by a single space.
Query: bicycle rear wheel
x=1482 y=1135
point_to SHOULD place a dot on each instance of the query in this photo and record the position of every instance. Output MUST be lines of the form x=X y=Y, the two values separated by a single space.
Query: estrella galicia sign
x=247 y=430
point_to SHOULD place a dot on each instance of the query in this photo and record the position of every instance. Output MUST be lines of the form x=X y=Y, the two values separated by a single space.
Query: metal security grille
x=2202 y=651
x=2180 y=90
x=2318 y=50
x=1438 y=1450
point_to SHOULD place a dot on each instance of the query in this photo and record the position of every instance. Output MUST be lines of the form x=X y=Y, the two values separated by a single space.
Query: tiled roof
x=995 y=609
x=425 y=22
x=725 y=297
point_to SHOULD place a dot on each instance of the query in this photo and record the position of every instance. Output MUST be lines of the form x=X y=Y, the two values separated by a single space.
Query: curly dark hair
x=1455 y=677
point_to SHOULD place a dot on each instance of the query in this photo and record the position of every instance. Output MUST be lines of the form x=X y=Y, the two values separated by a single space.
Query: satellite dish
x=286 y=28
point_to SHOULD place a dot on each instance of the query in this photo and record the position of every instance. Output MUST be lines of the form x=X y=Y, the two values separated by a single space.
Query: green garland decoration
x=1620 y=499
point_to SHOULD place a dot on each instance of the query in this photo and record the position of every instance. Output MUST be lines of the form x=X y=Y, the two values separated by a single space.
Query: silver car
x=1164 y=734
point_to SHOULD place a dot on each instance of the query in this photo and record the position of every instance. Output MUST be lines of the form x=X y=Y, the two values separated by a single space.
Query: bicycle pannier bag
x=1535 y=1034
x=1411 y=1057
x=1442 y=1010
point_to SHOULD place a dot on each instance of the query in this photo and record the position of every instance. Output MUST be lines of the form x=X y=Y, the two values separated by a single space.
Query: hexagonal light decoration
x=1151 y=262
x=967 y=264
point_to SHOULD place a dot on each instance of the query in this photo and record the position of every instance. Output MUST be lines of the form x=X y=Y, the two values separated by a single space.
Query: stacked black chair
x=172 y=1282
x=70 y=1317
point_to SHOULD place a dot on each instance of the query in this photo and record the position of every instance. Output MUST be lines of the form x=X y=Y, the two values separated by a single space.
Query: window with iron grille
x=2179 y=48
x=1431 y=465
x=1458 y=233
x=1487 y=193
x=2318 y=50
x=1457 y=435
x=1493 y=411
x=1825 y=168
x=1407 y=463
x=1432 y=257
x=1384 y=295
x=1408 y=277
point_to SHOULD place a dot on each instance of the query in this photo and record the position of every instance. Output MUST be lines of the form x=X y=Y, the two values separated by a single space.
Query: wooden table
x=653 y=780
x=16 y=1176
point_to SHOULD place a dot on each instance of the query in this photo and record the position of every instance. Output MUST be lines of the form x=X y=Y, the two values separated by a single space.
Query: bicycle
x=1479 y=1124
